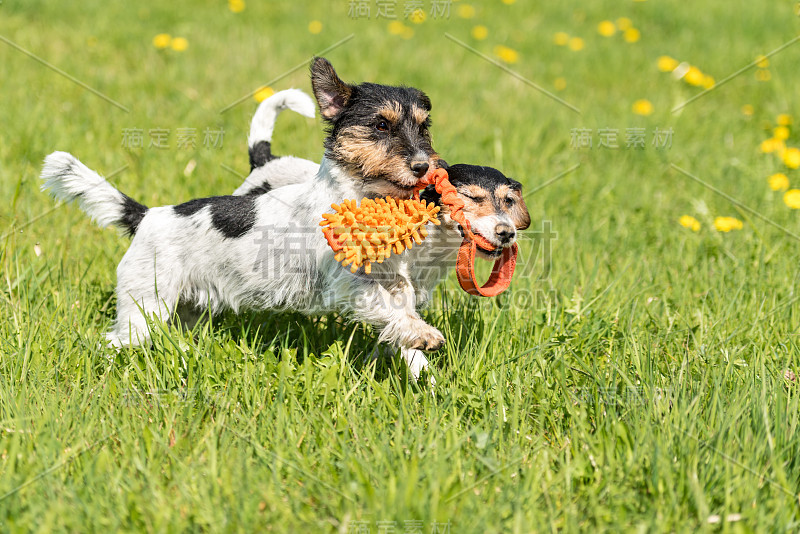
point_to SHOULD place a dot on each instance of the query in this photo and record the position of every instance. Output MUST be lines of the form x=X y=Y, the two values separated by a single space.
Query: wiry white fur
x=486 y=226
x=68 y=179
x=263 y=123
x=283 y=170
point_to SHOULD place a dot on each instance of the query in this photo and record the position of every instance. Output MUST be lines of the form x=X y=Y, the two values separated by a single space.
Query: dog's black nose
x=504 y=232
x=419 y=168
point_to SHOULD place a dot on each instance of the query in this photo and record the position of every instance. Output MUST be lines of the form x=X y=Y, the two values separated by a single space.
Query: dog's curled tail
x=68 y=179
x=259 y=142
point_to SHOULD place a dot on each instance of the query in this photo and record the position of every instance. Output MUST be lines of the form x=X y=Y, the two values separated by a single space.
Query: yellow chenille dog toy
x=361 y=235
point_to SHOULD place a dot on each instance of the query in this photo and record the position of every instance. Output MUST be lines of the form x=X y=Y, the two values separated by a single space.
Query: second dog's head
x=377 y=133
x=493 y=204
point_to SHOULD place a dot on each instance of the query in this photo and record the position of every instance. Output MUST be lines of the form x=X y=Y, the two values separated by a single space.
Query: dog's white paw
x=427 y=338
x=417 y=363
x=114 y=341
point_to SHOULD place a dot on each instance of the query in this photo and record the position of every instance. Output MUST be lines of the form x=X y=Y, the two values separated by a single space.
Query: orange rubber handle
x=501 y=275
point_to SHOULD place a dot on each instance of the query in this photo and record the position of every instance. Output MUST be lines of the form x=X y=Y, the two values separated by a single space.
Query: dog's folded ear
x=519 y=211
x=331 y=92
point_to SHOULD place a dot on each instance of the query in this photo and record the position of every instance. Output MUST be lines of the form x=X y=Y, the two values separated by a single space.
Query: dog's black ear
x=331 y=92
x=426 y=102
x=519 y=211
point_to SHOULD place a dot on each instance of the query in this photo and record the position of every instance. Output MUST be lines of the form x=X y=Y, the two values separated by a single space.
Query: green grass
x=633 y=381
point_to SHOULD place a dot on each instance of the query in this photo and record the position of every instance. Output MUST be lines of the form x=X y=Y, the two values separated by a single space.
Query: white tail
x=68 y=179
x=263 y=123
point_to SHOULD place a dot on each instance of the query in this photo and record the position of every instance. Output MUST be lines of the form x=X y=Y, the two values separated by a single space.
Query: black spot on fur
x=231 y=216
x=132 y=214
x=260 y=154
x=260 y=190
x=486 y=177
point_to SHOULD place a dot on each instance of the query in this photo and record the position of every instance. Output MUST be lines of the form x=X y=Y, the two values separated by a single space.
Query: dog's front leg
x=392 y=310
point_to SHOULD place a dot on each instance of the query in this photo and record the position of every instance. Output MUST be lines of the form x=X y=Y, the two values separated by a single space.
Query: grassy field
x=639 y=375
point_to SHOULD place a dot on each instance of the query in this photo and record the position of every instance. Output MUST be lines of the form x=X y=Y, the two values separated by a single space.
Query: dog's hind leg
x=145 y=291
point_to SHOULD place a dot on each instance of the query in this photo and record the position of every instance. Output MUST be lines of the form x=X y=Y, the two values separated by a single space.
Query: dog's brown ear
x=331 y=92
x=519 y=211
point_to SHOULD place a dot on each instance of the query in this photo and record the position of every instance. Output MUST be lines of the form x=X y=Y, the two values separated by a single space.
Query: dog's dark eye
x=475 y=199
x=510 y=201
x=382 y=126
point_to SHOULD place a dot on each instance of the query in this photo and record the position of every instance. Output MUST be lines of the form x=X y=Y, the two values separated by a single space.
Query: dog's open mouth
x=491 y=253
x=485 y=248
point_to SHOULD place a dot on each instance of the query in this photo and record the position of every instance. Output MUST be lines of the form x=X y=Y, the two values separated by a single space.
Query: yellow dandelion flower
x=667 y=64
x=263 y=93
x=417 y=16
x=576 y=43
x=561 y=38
x=763 y=75
x=694 y=76
x=408 y=33
x=179 y=44
x=508 y=2
x=748 y=110
x=606 y=28
x=778 y=182
x=687 y=221
x=762 y=62
x=506 y=54
x=396 y=27
x=623 y=23
x=632 y=35
x=726 y=224
x=162 y=40
x=791 y=157
x=465 y=11
x=237 y=6
x=315 y=27
x=781 y=133
x=560 y=84
x=642 y=107
x=480 y=32
x=771 y=145
x=784 y=120
x=792 y=198
x=708 y=82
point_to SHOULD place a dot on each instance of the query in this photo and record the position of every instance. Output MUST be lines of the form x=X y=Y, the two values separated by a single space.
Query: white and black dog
x=493 y=203
x=265 y=252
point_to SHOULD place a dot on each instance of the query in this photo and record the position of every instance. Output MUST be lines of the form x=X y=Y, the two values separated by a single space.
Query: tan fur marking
x=369 y=158
x=502 y=192
x=480 y=208
x=419 y=114
x=391 y=111
x=474 y=191
x=519 y=211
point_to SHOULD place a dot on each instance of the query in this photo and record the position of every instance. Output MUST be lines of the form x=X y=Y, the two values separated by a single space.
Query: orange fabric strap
x=503 y=268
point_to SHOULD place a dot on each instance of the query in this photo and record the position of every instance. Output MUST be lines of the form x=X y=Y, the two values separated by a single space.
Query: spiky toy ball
x=371 y=232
